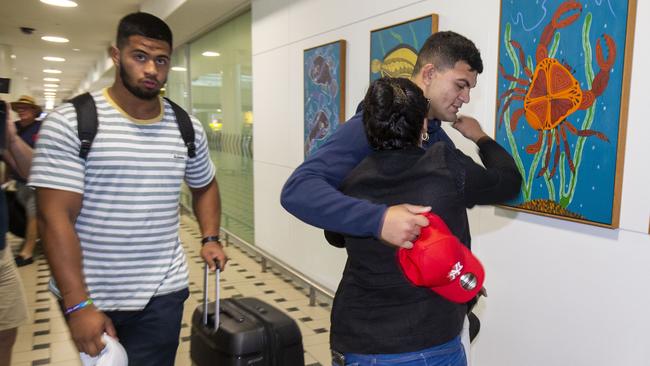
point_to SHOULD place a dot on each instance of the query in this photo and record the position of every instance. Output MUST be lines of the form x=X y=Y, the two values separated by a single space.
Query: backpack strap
x=87 y=122
x=185 y=126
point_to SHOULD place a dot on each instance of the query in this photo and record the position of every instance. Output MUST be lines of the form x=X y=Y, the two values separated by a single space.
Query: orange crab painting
x=551 y=94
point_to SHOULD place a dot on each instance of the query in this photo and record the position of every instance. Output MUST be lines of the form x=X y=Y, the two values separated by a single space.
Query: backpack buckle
x=85 y=148
x=191 y=149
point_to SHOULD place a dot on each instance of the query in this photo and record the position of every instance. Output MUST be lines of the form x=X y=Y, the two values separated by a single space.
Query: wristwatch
x=211 y=238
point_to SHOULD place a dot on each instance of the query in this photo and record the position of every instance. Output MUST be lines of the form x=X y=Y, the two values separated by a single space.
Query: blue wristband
x=79 y=306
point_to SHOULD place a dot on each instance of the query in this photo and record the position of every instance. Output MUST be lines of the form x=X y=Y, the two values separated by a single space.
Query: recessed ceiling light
x=179 y=68
x=55 y=39
x=51 y=79
x=51 y=85
x=52 y=71
x=52 y=58
x=211 y=54
x=13 y=56
x=63 y=3
x=49 y=90
x=76 y=49
x=25 y=78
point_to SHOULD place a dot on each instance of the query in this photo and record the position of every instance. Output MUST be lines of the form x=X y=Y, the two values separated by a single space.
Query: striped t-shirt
x=131 y=181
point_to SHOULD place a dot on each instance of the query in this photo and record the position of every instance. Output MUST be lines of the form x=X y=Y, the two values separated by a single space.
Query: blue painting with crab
x=559 y=90
x=323 y=105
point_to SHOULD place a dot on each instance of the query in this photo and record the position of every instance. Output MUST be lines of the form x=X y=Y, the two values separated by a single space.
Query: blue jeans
x=447 y=354
x=150 y=336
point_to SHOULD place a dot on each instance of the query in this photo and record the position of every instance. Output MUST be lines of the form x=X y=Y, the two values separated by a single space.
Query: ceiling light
x=13 y=56
x=49 y=90
x=51 y=85
x=63 y=3
x=55 y=39
x=76 y=49
x=52 y=71
x=52 y=58
x=49 y=93
x=179 y=68
x=51 y=79
x=211 y=54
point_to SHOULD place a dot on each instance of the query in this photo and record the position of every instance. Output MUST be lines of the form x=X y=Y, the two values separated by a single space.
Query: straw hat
x=26 y=101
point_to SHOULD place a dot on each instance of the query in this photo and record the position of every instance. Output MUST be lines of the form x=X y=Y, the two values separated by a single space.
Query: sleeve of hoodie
x=311 y=192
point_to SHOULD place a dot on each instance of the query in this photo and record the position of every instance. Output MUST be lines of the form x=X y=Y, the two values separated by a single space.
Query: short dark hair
x=393 y=113
x=142 y=24
x=444 y=49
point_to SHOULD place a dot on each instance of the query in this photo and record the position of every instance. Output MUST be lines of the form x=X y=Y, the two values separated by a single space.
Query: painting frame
x=609 y=215
x=324 y=68
x=379 y=57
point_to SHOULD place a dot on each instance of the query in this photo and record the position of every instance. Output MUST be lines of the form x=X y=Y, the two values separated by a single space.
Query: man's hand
x=87 y=326
x=211 y=251
x=402 y=224
x=469 y=127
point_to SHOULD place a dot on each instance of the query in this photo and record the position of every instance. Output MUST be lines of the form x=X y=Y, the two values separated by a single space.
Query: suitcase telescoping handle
x=205 y=296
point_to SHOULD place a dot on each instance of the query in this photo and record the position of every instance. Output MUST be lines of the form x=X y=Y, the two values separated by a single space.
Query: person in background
x=109 y=224
x=13 y=304
x=27 y=127
x=378 y=316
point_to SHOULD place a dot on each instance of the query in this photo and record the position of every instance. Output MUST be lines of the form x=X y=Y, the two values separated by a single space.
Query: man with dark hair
x=447 y=67
x=109 y=223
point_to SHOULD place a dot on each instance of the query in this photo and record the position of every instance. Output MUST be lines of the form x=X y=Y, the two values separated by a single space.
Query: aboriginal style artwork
x=561 y=104
x=394 y=49
x=324 y=93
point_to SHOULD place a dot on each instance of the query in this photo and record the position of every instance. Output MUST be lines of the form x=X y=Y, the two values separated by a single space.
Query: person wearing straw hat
x=27 y=127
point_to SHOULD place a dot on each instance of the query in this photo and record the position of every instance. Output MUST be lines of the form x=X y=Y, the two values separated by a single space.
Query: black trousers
x=150 y=336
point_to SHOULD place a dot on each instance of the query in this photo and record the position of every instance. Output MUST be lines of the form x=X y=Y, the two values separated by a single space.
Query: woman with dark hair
x=378 y=316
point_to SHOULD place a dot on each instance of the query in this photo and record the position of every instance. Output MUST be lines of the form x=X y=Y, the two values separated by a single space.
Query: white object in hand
x=112 y=355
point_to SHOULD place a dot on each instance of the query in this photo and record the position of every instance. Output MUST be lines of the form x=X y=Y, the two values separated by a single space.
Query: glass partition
x=221 y=98
x=177 y=89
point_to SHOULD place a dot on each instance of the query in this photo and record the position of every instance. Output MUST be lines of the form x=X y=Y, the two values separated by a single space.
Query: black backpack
x=87 y=123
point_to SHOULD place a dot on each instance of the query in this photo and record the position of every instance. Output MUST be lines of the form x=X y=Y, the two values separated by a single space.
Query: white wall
x=561 y=293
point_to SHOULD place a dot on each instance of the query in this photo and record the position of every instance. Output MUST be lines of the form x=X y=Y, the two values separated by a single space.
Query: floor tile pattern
x=46 y=340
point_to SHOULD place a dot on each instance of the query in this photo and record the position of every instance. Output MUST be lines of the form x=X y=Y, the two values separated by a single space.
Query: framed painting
x=324 y=93
x=394 y=49
x=562 y=97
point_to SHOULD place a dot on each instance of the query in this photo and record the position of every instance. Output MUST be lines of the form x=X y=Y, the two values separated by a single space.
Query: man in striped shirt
x=110 y=223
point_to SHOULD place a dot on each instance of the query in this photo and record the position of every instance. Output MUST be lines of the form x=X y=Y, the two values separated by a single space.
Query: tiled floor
x=46 y=341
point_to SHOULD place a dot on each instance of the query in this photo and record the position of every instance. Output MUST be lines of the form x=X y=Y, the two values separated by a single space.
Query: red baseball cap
x=439 y=260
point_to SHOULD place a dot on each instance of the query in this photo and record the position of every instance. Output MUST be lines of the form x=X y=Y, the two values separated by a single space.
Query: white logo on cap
x=455 y=271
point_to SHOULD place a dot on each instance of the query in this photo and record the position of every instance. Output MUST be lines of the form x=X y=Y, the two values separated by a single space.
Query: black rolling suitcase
x=244 y=331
